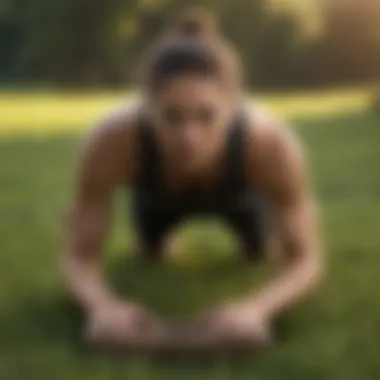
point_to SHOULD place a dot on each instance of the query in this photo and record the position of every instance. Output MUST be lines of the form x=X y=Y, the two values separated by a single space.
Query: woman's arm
x=284 y=180
x=85 y=230
x=101 y=161
x=107 y=161
x=294 y=211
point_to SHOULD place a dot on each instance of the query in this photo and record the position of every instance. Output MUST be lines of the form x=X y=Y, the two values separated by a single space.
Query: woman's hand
x=228 y=327
x=234 y=325
x=124 y=324
x=120 y=323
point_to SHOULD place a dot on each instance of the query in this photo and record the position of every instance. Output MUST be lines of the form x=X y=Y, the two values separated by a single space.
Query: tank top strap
x=234 y=179
x=148 y=167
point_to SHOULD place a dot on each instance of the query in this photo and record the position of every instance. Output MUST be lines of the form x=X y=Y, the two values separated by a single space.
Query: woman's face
x=191 y=114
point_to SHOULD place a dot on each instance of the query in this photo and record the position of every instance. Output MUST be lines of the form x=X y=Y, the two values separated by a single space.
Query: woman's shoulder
x=265 y=128
x=270 y=140
x=259 y=117
x=118 y=122
x=116 y=129
x=111 y=143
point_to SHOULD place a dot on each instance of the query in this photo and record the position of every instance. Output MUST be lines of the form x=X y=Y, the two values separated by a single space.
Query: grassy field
x=333 y=336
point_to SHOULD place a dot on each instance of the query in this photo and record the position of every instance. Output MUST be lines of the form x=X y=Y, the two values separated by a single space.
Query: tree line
x=283 y=43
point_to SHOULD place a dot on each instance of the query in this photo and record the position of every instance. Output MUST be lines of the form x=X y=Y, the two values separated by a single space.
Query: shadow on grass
x=183 y=287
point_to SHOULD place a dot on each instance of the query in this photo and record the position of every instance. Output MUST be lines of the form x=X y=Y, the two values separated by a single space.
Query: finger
x=93 y=334
x=146 y=322
x=88 y=334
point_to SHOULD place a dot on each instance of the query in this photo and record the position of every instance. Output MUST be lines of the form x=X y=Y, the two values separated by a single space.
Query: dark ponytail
x=195 y=24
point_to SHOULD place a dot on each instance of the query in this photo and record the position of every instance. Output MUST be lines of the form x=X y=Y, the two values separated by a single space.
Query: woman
x=189 y=145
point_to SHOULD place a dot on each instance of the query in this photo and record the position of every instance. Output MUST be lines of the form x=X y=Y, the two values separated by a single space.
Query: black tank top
x=228 y=193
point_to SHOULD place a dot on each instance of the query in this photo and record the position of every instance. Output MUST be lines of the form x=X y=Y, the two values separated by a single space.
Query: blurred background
x=284 y=43
x=63 y=63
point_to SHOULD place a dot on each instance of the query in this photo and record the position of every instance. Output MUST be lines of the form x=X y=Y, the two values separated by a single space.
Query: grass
x=333 y=336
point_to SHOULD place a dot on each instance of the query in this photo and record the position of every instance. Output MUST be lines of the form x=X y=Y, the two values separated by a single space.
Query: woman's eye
x=173 y=116
x=206 y=115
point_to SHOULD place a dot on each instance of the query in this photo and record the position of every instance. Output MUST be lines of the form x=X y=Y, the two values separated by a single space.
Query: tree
x=350 y=47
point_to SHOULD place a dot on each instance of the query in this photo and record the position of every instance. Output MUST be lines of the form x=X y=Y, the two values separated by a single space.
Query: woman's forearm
x=83 y=281
x=296 y=281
